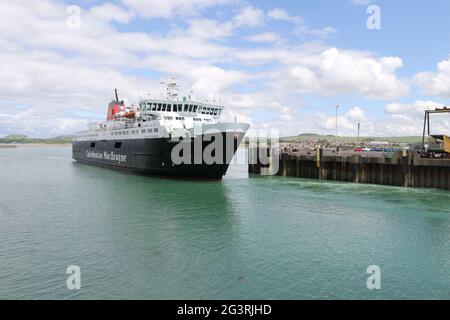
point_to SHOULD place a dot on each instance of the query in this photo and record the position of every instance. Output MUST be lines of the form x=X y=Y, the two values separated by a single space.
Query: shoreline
x=33 y=145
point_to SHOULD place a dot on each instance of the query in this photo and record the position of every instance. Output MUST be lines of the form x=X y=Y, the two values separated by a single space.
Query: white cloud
x=170 y=8
x=210 y=29
x=323 y=33
x=111 y=12
x=214 y=29
x=280 y=14
x=437 y=83
x=249 y=16
x=407 y=119
x=349 y=72
x=347 y=123
x=264 y=37
x=52 y=71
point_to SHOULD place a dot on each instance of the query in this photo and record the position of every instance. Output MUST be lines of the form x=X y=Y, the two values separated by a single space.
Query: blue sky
x=274 y=64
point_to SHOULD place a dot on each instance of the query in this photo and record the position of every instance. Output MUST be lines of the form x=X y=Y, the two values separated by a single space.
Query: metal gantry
x=426 y=124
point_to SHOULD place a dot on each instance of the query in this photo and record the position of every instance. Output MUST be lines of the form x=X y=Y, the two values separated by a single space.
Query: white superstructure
x=152 y=118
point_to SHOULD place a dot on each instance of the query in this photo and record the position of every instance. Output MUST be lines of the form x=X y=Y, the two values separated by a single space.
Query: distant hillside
x=19 y=138
x=332 y=138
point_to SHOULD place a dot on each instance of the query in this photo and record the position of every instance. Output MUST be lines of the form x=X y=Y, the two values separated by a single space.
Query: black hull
x=154 y=156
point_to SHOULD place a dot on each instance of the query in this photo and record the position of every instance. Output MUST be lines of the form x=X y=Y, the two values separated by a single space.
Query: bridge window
x=159 y=106
x=195 y=108
x=190 y=107
x=155 y=130
x=169 y=107
x=117 y=145
x=154 y=107
x=164 y=107
x=92 y=144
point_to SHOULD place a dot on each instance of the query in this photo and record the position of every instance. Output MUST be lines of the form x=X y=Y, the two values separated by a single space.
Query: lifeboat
x=130 y=115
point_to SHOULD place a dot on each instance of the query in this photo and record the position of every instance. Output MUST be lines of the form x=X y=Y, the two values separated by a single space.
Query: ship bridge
x=172 y=104
x=184 y=108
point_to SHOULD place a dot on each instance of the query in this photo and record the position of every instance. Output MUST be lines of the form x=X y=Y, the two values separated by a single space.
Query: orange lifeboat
x=130 y=115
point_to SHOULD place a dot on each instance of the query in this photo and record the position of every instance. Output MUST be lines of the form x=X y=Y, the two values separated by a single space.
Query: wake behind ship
x=178 y=138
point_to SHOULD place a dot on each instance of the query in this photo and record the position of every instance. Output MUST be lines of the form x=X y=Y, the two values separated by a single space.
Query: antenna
x=117 y=97
x=172 y=88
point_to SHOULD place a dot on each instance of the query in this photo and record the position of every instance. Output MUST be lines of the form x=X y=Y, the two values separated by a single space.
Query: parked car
x=376 y=149
x=359 y=149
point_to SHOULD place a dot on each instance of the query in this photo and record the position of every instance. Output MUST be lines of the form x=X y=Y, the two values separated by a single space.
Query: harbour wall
x=401 y=168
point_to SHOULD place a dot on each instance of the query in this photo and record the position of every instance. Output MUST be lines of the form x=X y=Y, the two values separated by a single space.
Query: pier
x=402 y=168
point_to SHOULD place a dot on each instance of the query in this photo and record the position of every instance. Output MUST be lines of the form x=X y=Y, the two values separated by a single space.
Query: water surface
x=242 y=238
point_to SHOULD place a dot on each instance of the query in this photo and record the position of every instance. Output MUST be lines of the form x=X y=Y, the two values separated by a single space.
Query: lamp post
x=337 y=107
x=359 y=127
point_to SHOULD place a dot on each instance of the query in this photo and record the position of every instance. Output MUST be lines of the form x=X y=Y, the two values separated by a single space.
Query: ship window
x=154 y=107
x=169 y=107
x=149 y=106
x=195 y=108
x=149 y=130
x=159 y=107
x=175 y=108
x=143 y=131
x=117 y=145
x=92 y=144
x=203 y=110
x=163 y=107
x=190 y=108
x=155 y=130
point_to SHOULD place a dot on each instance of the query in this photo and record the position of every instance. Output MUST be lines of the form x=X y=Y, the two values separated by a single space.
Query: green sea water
x=242 y=238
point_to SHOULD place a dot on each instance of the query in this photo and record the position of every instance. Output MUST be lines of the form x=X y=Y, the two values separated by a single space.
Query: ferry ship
x=173 y=137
